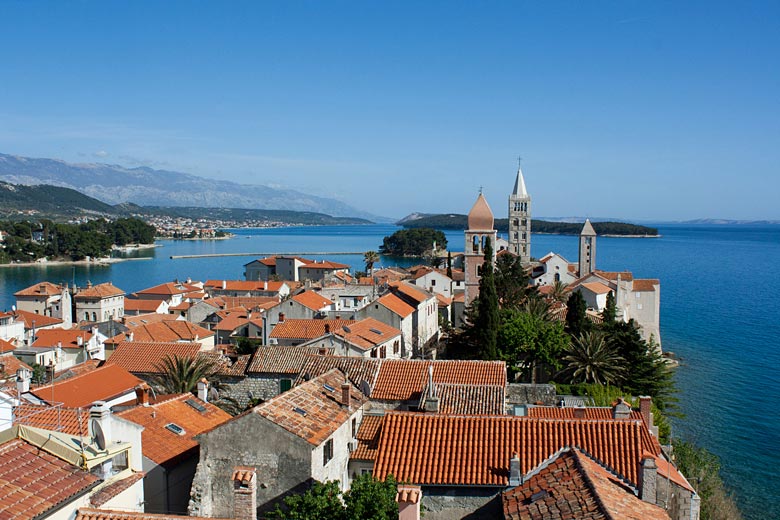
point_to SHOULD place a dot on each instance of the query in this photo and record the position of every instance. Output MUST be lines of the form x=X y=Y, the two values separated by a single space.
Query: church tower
x=479 y=231
x=520 y=220
x=587 y=249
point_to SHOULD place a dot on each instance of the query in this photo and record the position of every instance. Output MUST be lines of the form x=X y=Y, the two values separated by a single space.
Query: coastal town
x=230 y=398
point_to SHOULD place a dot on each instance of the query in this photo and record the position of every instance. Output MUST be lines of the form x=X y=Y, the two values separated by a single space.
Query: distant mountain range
x=115 y=184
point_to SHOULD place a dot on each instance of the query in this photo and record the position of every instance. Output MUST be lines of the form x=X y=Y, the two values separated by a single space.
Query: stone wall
x=283 y=463
x=252 y=387
x=472 y=503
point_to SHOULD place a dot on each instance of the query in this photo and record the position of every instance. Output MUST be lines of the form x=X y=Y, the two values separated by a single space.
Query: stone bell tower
x=479 y=231
x=520 y=219
x=587 y=249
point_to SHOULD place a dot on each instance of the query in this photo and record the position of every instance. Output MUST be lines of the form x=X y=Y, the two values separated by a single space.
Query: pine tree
x=487 y=320
x=610 y=309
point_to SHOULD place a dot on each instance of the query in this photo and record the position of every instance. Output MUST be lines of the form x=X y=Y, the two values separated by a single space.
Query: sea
x=720 y=315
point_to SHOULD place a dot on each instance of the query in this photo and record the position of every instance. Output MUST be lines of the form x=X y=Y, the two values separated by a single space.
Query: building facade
x=520 y=220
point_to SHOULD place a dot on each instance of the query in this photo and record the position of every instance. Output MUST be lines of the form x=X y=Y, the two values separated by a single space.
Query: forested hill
x=457 y=221
x=48 y=200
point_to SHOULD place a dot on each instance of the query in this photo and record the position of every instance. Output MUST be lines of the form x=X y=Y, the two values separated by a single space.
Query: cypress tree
x=449 y=264
x=487 y=321
x=610 y=310
x=576 y=320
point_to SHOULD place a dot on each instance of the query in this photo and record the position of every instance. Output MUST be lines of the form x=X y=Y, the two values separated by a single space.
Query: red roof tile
x=575 y=487
x=168 y=331
x=405 y=379
x=102 y=290
x=411 y=291
x=322 y=409
x=625 y=276
x=596 y=287
x=160 y=444
x=86 y=513
x=145 y=357
x=102 y=384
x=646 y=285
x=39 y=319
x=114 y=489
x=366 y=333
x=134 y=305
x=146 y=319
x=306 y=329
x=368 y=438
x=359 y=370
x=312 y=300
x=69 y=338
x=396 y=305
x=168 y=289
x=280 y=360
x=10 y=364
x=469 y=399
x=438 y=449
x=40 y=289
x=73 y=421
x=33 y=482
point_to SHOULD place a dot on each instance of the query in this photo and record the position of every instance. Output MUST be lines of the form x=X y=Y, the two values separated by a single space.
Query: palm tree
x=592 y=359
x=559 y=292
x=370 y=258
x=537 y=307
x=181 y=375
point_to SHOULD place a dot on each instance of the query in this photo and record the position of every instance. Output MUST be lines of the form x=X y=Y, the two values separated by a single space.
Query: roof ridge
x=577 y=452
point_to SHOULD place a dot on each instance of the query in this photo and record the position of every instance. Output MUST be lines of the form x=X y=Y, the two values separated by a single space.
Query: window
x=433 y=283
x=284 y=385
x=354 y=427
x=639 y=306
x=327 y=452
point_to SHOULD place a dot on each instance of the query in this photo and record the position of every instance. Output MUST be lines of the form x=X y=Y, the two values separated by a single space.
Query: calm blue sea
x=719 y=312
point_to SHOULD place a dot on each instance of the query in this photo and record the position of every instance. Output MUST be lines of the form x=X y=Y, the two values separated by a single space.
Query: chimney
x=80 y=341
x=515 y=478
x=142 y=395
x=409 y=498
x=244 y=493
x=645 y=405
x=23 y=376
x=130 y=336
x=621 y=409
x=579 y=412
x=224 y=284
x=100 y=413
x=265 y=285
x=281 y=317
x=648 y=473
x=94 y=330
x=346 y=397
x=327 y=328
x=431 y=403
x=203 y=390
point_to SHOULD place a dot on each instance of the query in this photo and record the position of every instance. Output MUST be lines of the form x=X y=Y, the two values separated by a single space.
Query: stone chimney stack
x=327 y=328
x=346 y=397
x=244 y=493
x=281 y=317
x=130 y=336
x=515 y=477
x=621 y=410
x=203 y=390
x=23 y=377
x=645 y=405
x=431 y=403
x=142 y=395
x=100 y=412
x=579 y=412
x=648 y=475
x=224 y=284
x=409 y=498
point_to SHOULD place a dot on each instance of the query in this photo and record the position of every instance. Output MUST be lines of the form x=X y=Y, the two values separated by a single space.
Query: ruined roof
x=357 y=369
x=313 y=410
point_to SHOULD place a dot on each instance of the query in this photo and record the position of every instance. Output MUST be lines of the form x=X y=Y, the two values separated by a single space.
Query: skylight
x=375 y=331
x=175 y=428
x=300 y=411
x=328 y=388
x=193 y=403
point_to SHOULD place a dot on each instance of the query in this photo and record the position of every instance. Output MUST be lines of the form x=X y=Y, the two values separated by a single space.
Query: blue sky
x=630 y=109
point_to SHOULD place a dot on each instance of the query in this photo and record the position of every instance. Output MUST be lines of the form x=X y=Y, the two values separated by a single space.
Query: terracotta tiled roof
x=311 y=410
x=469 y=399
x=86 y=513
x=40 y=289
x=6 y=347
x=242 y=285
x=248 y=302
x=228 y=366
x=368 y=438
x=232 y=322
x=33 y=482
x=68 y=338
x=102 y=384
x=11 y=364
x=411 y=291
x=367 y=333
x=324 y=264
x=575 y=487
x=458 y=275
x=39 y=319
x=280 y=360
x=168 y=289
x=646 y=285
x=596 y=287
x=444 y=301
x=102 y=290
x=160 y=444
x=114 y=489
x=312 y=300
x=146 y=319
x=306 y=329
x=169 y=331
x=396 y=305
x=73 y=421
x=134 y=305
x=405 y=379
x=459 y=297
x=439 y=449
x=625 y=276
x=357 y=369
x=144 y=357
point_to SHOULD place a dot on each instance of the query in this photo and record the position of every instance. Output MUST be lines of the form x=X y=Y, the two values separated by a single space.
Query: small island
x=413 y=242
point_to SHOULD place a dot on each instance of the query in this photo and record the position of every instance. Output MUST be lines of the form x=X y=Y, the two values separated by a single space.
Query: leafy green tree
x=320 y=502
x=487 y=318
x=609 y=313
x=370 y=258
x=576 y=319
x=178 y=375
x=247 y=345
x=413 y=242
x=528 y=341
x=511 y=281
x=371 y=498
x=590 y=358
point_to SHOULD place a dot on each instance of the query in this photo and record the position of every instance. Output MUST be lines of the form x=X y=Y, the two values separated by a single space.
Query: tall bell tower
x=520 y=219
x=587 y=263
x=480 y=230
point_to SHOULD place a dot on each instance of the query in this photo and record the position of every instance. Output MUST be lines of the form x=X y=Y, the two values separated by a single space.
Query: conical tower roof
x=520 y=190
x=480 y=216
x=587 y=229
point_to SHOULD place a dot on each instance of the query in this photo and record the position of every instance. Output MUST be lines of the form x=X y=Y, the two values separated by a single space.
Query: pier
x=316 y=253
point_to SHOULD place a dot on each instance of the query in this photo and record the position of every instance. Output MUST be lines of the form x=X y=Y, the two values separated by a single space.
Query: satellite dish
x=97 y=433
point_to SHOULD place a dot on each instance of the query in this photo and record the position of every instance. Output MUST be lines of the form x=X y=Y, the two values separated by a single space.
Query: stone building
x=520 y=220
x=587 y=260
x=480 y=230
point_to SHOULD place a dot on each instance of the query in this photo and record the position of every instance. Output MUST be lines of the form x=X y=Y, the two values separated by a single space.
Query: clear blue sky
x=631 y=109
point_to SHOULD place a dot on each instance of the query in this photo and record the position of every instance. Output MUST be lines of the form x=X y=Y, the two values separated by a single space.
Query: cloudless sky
x=628 y=109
